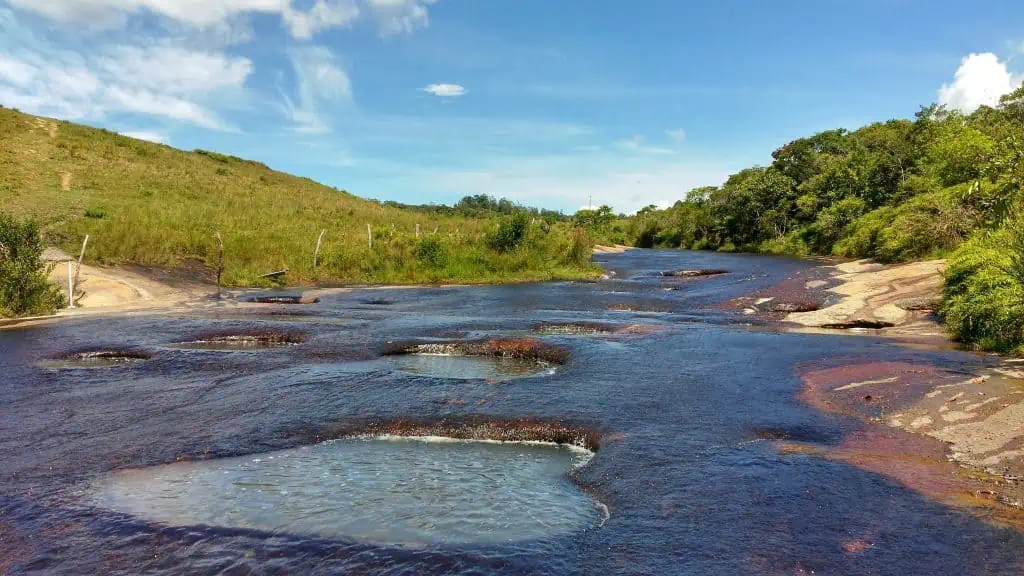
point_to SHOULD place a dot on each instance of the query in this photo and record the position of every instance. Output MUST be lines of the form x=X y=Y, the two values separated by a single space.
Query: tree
x=24 y=286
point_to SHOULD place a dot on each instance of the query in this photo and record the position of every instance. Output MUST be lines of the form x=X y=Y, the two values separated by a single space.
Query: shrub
x=97 y=213
x=24 y=286
x=928 y=225
x=431 y=251
x=791 y=244
x=581 y=248
x=862 y=238
x=831 y=224
x=511 y=232
x=983 y=301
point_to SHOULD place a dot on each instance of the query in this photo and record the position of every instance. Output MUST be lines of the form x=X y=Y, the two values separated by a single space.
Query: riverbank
x=953 y=435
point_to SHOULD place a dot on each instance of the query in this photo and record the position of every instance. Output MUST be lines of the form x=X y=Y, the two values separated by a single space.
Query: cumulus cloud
x=146 y=135
x=322 y=16
x=160 y=80
x=445 y=90
x=392 y=16
x=980 y=81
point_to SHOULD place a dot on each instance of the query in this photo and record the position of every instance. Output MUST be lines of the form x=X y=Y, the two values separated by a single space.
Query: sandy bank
x=130 y=290
x=616 y=249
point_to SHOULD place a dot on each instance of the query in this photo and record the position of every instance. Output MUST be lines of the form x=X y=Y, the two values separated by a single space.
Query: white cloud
x=15 y=71
x=980 y=81
x=174 y=69
x=162 y=79
x=319 y=81
x=322 y=16
x=445 y=90
x=392 y=16
x=396 y=16
x=156 y=104
x=679 y=135
x=146 y=135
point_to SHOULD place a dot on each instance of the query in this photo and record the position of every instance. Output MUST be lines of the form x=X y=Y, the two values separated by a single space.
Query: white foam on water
x=583 y=454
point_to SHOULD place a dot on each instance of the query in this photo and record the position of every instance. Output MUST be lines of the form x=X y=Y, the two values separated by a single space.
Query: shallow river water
x=188 y=461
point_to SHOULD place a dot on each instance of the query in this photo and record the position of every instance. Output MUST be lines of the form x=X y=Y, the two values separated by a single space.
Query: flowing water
x=138 y=467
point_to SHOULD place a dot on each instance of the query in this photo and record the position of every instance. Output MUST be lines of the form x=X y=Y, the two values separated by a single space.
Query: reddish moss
x=468 y=428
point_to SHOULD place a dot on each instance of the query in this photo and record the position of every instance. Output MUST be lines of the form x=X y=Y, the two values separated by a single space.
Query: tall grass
x=151 y=204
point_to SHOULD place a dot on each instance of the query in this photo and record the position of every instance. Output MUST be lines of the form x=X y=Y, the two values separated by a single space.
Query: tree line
x=941 y=184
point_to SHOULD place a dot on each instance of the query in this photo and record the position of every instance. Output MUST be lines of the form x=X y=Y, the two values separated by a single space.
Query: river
x=679 y=410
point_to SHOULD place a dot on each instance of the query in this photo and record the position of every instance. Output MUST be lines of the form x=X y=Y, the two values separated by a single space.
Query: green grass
x=150 y=204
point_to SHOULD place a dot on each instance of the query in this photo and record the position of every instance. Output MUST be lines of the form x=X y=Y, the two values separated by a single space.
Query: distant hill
x=151 y=204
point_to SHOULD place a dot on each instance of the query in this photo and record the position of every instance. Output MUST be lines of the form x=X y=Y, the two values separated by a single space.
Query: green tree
x=24 y=286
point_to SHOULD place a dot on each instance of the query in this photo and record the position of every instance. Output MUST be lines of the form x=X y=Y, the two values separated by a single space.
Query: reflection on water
x=462 y=367
x=396 y=491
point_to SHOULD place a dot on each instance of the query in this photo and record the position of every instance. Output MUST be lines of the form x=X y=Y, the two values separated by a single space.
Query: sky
x=551 y=103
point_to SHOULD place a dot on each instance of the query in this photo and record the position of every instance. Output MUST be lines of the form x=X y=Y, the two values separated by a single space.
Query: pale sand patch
x=867 y=383
x=617 y=249
x=921 y=422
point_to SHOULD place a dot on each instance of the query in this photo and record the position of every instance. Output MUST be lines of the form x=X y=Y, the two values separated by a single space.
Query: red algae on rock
x=469 y=428
x=518 y=348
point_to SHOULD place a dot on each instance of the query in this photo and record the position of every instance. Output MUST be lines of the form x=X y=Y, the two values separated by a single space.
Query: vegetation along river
x=689 y=444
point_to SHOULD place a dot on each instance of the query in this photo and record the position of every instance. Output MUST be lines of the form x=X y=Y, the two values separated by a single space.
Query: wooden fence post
x=316 y=252
x=78 y=270
x=369 y=235
x=220 y=261
x=71 y=285
x=417 y=230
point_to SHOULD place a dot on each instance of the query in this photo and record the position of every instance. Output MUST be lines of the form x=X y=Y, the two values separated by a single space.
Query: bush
x=791 y=244
x=24 y=286
x=862 y=239
x=983 y=301
x=581 y=248
x=97 y=213
x=511 y=233
x=832 y=222
x=928 y=225
x=430 y=251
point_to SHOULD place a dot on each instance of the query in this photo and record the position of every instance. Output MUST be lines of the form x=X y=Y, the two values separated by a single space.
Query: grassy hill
x=150 y=204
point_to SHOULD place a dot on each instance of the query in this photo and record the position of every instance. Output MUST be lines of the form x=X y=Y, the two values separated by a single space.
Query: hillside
x=153 y=205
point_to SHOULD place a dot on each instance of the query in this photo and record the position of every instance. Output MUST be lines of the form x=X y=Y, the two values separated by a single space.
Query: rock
x=693 y=273
x=789 y=307
x=863 y=324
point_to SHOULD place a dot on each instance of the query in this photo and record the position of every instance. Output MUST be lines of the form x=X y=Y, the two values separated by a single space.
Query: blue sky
x=546 y=102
